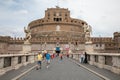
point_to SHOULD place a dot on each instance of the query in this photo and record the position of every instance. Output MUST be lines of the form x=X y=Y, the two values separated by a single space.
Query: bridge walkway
x=66 y=69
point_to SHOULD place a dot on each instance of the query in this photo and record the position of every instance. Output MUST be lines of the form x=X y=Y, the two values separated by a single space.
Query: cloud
x=102 y=15
x=12 y=31
x=21 y=12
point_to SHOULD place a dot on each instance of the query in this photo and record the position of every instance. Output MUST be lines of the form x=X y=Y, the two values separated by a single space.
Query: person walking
x=48 y=59
x=39 y=61
x=85 y=60
x=82 y=57
x=61 y=56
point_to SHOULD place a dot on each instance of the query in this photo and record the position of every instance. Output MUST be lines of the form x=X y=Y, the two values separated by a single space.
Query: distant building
x=58 y=29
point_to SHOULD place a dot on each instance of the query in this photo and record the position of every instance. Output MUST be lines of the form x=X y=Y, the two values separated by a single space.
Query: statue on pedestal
x=89 y=46
x=27 y=45
x=87 y=30
x=28 y=35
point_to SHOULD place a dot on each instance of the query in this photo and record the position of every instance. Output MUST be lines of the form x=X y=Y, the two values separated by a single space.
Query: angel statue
x=87 y=30
x=28 y=34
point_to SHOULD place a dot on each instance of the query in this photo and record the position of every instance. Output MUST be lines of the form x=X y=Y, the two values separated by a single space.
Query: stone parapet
x=103 y=60
x=14 y=61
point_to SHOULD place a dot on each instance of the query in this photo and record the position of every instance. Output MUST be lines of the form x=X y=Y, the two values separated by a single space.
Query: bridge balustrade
x=102 y=60
x=14 y=61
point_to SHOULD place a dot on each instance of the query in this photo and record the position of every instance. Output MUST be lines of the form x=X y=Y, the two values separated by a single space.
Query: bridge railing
x=102 y=60
x=14 y=61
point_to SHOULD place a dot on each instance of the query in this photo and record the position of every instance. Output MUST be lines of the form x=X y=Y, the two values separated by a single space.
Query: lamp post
x=100 y=45
x=14 y=38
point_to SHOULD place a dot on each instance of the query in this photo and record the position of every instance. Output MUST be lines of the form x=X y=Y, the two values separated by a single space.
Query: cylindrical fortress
x=57 y=27
x=57 y=20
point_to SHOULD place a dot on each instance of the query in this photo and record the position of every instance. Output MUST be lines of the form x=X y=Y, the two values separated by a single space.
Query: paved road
x=106 y=73
x=13 y=73
x=61 y=70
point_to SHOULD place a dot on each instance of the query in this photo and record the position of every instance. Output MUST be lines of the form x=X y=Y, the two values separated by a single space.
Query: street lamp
x=100 y=45
x=14 y=38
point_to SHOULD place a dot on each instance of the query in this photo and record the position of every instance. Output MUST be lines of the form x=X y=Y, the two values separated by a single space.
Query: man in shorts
x=47 y=59
x=39 y=60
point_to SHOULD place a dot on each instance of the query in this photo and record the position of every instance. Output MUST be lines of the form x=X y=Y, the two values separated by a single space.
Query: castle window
x=76 y=43
x=54 y=14
x=60 y=14
x=82 y=23
x=100 y=45
x=96 y=45
x=65 y=17
x=48 y=14
x=109 y=44
x=65 y=14
x=57 y=19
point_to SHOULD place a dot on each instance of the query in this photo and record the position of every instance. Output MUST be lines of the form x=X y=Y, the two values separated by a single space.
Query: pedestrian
x=48 y=59
x=39 y=60
x=44 y=54
x=85 y=60
x=82 y=57
x=67 y=55
x=53 y=55
x=61 y=56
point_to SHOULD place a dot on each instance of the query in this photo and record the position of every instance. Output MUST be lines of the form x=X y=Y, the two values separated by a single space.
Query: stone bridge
x=22 y=67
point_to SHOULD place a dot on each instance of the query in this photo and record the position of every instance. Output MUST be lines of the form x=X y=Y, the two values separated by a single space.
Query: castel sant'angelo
x=57 y=30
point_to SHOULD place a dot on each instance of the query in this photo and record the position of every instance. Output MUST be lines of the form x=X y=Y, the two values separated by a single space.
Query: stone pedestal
x=1 y=66
x=26 y=47
x=89 y=47
x=24 y=60
x=31 y=59
x=1 y=62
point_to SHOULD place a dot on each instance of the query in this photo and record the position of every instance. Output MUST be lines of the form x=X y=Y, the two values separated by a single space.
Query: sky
x=102 y=15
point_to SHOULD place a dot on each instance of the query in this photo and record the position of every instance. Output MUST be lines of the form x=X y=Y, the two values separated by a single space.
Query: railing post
x=92 y=59
x=116 y=64
x=1 y=62
x=24 y=60
x=101 y=61
x=1 y=65
x=14 y=62
x=31 y=59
